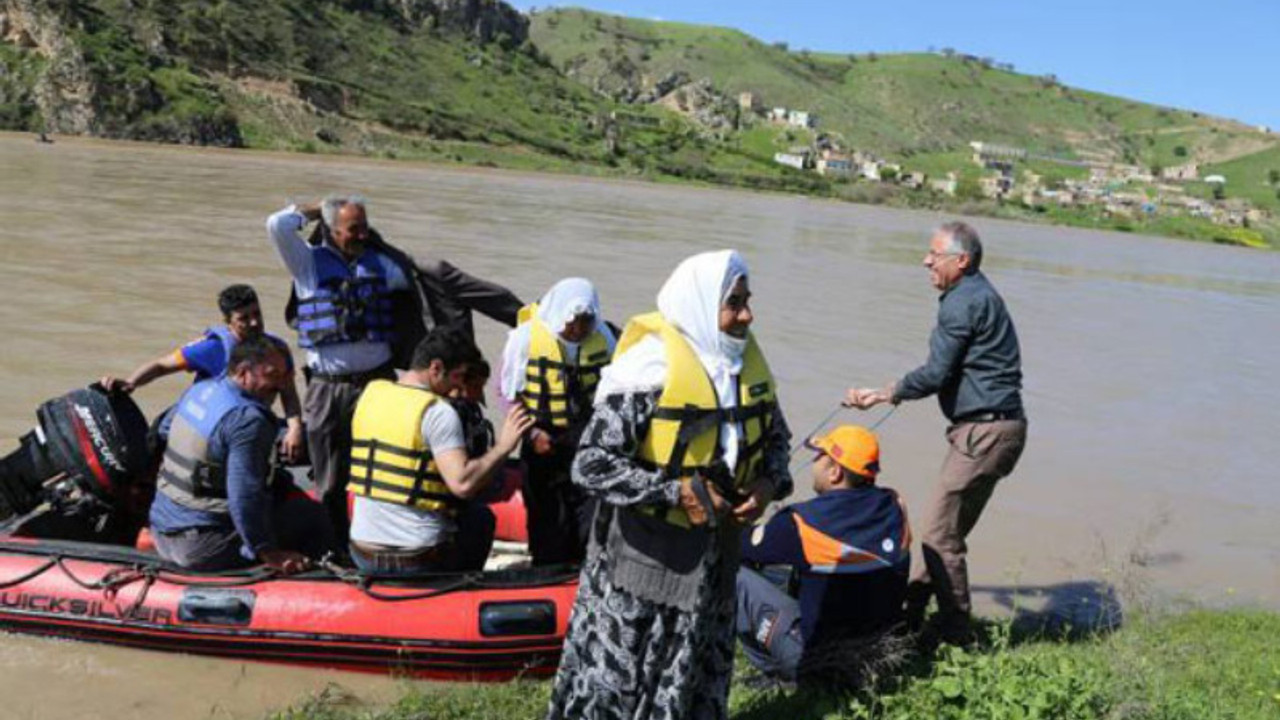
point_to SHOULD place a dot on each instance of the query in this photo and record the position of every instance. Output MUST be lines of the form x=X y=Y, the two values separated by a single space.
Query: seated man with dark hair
x=410 y=471
x=207 y=356
x=216 y=507
x=851 y=546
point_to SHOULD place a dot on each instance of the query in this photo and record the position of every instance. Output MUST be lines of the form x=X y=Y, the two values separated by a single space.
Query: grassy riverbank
x=1188 y=666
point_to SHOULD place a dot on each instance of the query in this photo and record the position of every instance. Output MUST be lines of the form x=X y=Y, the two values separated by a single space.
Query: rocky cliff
x=156 y=69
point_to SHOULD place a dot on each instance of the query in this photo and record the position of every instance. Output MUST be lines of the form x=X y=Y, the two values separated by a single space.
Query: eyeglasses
x=934 y=254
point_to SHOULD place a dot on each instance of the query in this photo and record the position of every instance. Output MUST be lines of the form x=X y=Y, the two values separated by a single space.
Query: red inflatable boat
x=86 y=453
x=482 y=626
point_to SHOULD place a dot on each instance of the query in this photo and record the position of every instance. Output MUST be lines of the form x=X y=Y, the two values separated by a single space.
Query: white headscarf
x=565 y=301
x=691 y=300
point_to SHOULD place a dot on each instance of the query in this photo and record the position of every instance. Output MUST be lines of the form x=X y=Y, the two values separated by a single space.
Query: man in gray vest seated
x=215 y=507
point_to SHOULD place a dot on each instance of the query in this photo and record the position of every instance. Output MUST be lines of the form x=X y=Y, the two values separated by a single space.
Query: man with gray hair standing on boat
x=975 y=369
x=359 y=307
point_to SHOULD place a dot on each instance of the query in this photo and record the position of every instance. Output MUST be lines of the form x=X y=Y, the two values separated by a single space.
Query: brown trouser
x=981 y=454
x=327 y=410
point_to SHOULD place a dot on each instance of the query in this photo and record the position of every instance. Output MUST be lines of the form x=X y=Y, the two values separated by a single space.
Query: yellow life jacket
x=558 y=393
x=684 y=432
x=389 y=461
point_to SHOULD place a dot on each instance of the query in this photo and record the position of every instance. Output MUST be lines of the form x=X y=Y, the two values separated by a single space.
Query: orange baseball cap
x=853 y=447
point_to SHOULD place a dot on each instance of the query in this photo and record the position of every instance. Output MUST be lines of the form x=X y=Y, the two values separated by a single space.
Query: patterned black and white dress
x=626 y=657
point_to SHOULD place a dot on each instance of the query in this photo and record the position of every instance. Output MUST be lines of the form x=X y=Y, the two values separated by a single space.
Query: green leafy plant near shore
x=1192 y=666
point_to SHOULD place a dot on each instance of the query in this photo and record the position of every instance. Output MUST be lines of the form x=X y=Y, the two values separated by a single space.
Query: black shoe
x=917 y=602
x=954 y=629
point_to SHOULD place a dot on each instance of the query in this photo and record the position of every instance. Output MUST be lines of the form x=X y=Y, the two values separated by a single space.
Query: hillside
x=371 y=76
x=454 y=80
x=900 y=104
x=474 y=81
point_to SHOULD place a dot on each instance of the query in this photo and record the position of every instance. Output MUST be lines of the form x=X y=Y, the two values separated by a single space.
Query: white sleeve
x=442 y=428
x=283 y=228
x=515 y=356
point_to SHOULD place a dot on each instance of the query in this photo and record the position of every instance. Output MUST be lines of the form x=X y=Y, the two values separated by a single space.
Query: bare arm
x=466 y=477
x=292 y=444
x=158 y=368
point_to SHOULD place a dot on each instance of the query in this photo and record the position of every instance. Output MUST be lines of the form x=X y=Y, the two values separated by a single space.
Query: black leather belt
x=994 y=416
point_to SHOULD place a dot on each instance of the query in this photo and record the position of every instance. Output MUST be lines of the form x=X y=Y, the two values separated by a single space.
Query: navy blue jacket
x=852 y=547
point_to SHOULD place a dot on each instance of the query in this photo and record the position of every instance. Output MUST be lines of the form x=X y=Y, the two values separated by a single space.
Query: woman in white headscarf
x=686 y=446
x=551 y=364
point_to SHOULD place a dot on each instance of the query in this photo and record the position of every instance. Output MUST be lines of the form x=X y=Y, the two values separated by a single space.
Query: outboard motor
x=86 y=459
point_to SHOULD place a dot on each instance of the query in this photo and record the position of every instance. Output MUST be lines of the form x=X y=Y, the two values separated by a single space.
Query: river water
x=1148 y=362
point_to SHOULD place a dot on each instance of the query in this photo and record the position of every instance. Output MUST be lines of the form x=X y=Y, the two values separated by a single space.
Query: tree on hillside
x=948 y=52
x=780 y=46
x=1180 y=151
x=1273 y=176
x=1219 y=191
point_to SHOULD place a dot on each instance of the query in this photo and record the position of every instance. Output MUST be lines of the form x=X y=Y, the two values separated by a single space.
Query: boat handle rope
x=29 y=576
x=365 y=584
x=114 y=580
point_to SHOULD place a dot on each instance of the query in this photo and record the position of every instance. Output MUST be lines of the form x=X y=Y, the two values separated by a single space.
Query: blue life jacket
x=188 y=475
x=352 y=302
x=229 y=343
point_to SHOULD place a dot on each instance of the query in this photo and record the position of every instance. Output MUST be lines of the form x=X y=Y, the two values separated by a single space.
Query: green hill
x=571 y=90
x=372 y=76
x=437 y=79
x=920 y=108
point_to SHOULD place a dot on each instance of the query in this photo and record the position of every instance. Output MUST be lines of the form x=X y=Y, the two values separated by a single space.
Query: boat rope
x=114 y=580
x=795 y=448
x=365 y=584
x=29 y=576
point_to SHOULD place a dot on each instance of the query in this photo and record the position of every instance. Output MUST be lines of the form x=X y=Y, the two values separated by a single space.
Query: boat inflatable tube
x=86 y=452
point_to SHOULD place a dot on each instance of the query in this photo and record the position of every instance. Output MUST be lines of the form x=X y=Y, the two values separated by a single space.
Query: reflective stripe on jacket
x=389 y=460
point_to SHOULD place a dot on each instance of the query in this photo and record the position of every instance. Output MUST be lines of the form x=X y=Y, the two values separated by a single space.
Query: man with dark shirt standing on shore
x=975 y=369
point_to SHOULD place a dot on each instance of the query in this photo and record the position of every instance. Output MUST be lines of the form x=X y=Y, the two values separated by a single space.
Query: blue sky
x=1217 y=56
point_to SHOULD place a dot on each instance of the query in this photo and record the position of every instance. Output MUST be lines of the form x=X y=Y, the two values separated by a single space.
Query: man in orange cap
x=851 y=546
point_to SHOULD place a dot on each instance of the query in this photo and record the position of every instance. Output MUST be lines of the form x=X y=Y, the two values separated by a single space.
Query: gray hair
x=331 y=205
x=962 y=238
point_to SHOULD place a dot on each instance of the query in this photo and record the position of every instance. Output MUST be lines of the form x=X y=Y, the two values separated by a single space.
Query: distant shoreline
x=893 y=197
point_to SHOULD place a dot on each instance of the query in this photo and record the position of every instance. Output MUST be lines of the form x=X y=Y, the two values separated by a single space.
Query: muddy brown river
x=1149 y=363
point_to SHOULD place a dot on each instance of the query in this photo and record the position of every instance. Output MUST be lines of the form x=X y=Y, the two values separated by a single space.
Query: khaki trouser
x=980 y=455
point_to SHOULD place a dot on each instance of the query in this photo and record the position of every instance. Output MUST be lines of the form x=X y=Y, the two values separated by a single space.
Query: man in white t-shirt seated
x=409 y=465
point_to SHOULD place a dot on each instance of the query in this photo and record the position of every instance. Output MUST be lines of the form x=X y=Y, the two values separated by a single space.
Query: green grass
x=894 y=103
x=1191 y=666
x=1248 y=177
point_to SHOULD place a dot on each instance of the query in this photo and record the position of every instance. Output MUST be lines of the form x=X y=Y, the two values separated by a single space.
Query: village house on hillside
x=792 y=118
x=1189 y=171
